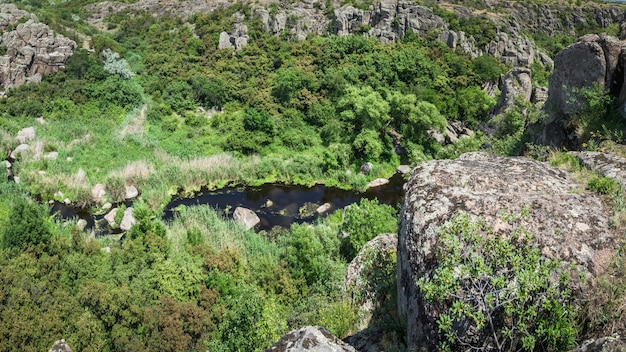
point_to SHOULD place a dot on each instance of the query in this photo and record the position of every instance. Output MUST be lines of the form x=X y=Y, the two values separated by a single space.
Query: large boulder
x=310 y=338
x=246 y=217
x=595 y=60
x=60 y=346
x=569 y=226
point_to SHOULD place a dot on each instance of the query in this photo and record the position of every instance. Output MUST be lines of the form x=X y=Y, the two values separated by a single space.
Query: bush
x=496 y=292
x=364 y=221
x=603 y=185
x=26 y=225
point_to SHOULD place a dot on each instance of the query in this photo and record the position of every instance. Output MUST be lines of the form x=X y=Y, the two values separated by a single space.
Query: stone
x=574 y=227
x=515 y=86
x=602 y=344
x=540 y=95
x=98 y=191
x=26 y=134
x=224 y=41
x=128 y=220
x=355 y=281
x=366 y=168
x=377 y=183
x=310 y=338
x=81 y=224
x=60 y=346
x=323 y=209
x=51 y=156
x=131 y=192
x=110 y=218
x=403 y=169
x=19 y=150
x=606 y=164
x=107 y=206
x=245 y=217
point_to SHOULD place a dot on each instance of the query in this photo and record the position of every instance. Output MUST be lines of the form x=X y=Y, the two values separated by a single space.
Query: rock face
x=310 y=338
x=571 y=227
x=237 y=39
x=32 y=49
x=593 y=60
x=245 y=217
x=516 y=84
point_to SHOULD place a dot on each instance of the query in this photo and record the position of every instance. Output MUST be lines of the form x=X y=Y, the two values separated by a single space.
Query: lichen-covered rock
x=128 y=220
x=568 y=226
x=310 y=338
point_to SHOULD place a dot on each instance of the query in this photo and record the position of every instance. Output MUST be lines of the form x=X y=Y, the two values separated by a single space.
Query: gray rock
x=26 y=134
x=355 y=286
x=603 y=344
x=377 y=183
x=51 y=156
x=224 y=41
x=60 y=346
x=515 y=85
x=310 y=338
x=110 y=218
x=605 y=164
x=403 y=169
x=131 y=192
x=324 y=208
x=98 y=191
x=571 y=227
x=128 y=220
x=81 y=224
x=245 y=217
x=366 y=168
x=20 y=149
x=540 y=95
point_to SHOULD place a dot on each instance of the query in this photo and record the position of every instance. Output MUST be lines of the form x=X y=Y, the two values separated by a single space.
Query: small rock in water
x=322 y=209
x=403 y=169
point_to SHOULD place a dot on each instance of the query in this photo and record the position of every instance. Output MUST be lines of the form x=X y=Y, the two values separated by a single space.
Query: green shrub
x=603 y=185
x=26 y=225
x=496 y=292
x=364 y=221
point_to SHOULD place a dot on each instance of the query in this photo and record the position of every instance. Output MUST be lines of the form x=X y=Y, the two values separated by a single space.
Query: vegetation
x=154 y=104
x=496 y=291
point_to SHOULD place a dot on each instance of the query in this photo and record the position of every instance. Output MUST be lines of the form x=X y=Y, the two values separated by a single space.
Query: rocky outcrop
x=310 y=338
x=387 y=20
x=603 y=344
x=296 y=18
x=593 y=60
x=238 y=38
x=516 y=85
x=32 y=49
x=567 y=226
x=454 y=131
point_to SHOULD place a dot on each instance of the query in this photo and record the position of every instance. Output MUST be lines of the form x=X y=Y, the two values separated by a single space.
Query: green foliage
x=603 y=185
x=499 y=288
x=364 y=221
x=27 y=225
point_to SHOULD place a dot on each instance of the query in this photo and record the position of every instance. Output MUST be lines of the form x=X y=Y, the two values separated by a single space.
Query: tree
x=365 y=108
x=364 y=221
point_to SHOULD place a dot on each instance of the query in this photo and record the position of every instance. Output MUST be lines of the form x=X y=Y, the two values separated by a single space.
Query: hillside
x=110 y=110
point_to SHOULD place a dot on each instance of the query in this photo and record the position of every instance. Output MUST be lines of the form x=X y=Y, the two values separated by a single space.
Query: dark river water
x=275 y=204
